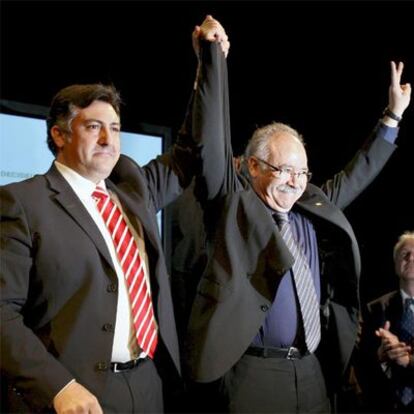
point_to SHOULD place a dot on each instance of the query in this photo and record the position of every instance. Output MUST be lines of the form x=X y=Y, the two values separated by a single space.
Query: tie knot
x=408 y=302
x=281 y=218
x=99 y=194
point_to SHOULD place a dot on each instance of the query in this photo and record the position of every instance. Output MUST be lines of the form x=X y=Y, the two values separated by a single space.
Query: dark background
x=322 y=67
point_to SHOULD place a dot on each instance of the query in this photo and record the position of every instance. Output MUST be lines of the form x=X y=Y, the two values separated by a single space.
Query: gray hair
x=258 y=145
x=408 y=235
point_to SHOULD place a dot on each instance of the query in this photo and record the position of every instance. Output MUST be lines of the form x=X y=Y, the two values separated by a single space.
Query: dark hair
x=67 y=100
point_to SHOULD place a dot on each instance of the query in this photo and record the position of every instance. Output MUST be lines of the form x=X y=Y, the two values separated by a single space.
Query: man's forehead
x=284 y=145
x=98 y=110
x=285 y=139
x=407 y=245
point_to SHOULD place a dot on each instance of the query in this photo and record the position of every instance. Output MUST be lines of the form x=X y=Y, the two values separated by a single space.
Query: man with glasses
x=274 y=320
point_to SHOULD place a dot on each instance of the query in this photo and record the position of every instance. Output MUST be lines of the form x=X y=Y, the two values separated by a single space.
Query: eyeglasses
x=287 y=172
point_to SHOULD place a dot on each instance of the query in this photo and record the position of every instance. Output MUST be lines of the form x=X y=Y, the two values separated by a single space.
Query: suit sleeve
x=203 y=146
x=210 y=126
x=35 y=372
x=367 y=163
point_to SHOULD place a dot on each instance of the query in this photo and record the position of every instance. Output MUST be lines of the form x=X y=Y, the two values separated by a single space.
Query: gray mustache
x=288 y=189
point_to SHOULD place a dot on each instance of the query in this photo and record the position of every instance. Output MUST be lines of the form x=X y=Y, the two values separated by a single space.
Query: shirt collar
x=405 y=295
x=80 y=184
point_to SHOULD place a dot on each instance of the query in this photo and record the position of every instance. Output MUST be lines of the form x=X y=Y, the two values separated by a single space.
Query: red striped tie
x=132 y=266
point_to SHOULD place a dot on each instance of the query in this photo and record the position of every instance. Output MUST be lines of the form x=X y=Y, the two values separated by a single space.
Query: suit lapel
x=394 y=311
x=135 y=207
x=67 y=198
x=266 y=233
x=316 y=203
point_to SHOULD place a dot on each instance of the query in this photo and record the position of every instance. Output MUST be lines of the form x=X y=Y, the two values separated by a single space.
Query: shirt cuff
x=64 y=388
x=388 y=133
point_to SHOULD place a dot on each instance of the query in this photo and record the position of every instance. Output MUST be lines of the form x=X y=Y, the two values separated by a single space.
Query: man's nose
x=105 y=136
x=293 y=178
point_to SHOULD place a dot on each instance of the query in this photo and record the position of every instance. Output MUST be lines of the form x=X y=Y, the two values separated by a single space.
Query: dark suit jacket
x=59 y=286
x=247 y=255
x=188 y=256
x=378 y=388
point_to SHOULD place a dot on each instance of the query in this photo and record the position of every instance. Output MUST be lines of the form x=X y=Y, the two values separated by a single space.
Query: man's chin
x=104 y=171
x=286 y=203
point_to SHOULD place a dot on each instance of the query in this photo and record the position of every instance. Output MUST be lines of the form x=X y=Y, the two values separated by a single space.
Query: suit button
x=112 y=288
x=108 y=327
x=101 y=366
x=264 y=308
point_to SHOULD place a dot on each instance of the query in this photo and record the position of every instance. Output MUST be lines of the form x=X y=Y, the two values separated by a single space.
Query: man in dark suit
x=86 y=310
x=250 y=332
x=385 y=357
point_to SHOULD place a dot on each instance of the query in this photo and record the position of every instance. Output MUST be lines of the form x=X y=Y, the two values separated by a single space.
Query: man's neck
x=408 y=288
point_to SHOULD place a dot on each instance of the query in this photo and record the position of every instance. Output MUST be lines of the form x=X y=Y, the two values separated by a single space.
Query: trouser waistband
x=126 y=366
x=287 y=353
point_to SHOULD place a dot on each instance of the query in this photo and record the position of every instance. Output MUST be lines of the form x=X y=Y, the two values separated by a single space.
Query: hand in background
x=398 y=95
x=391 y=348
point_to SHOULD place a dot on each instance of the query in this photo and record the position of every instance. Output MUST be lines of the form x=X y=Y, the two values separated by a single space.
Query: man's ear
x=58 y=136
x=253 y=166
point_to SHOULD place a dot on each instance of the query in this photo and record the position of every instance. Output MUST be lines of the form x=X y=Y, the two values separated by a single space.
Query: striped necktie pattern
x=132 y=267
x=305 y=288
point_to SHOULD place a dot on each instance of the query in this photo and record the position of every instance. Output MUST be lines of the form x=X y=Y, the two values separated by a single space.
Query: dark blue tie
x=407 y=323
x=407 y=336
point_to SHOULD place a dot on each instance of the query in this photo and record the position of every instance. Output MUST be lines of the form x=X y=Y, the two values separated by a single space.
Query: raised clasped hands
x=212 y=31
